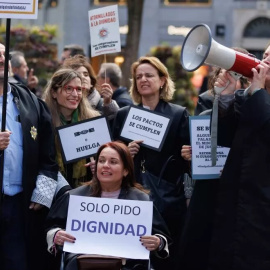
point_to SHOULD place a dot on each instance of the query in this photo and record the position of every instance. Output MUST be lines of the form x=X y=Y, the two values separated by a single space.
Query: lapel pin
x=33 y=132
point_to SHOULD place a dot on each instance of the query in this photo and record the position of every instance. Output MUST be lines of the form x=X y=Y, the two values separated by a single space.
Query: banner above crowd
x=26 y=9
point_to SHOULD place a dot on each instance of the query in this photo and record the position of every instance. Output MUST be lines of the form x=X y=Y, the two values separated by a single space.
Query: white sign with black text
x=142 y=124
x=109 y=227
x=201 y=149
x=27 y=9
x=104 y=30
x=82 y=139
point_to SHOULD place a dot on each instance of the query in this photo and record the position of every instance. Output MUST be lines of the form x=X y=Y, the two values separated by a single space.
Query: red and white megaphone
x=200 y=48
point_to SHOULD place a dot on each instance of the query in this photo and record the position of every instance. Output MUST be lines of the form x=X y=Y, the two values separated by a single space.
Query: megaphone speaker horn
x=200 y=48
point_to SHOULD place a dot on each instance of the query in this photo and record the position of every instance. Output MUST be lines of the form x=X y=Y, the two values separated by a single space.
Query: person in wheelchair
x=113 y=178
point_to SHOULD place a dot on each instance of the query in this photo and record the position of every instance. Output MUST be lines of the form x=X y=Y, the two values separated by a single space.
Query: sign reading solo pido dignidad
x=104 y=30
x=26 y=9
x=109 y=227
x=201 y=149
x=82 y=139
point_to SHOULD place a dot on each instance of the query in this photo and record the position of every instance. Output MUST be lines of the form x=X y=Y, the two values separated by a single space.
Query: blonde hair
x=59 y=79
x=168 y=89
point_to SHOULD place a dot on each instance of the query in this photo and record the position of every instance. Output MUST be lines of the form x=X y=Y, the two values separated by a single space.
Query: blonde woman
x=161 y=172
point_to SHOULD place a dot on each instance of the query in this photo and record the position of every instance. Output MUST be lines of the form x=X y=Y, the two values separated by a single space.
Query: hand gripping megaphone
x=200 y=48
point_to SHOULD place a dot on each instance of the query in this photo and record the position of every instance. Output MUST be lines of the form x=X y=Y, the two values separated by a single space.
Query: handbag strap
x=164 y=168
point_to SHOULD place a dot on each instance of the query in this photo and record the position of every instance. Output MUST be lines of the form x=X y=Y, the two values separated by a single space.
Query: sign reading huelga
x=82 y=139
x=149 y=126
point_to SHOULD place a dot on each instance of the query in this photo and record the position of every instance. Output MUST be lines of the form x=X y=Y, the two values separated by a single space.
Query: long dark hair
x=125 y=156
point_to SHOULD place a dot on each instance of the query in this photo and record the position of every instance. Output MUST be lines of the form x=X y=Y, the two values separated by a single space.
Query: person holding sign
x=67 y=102
x=105 y=104
x=161 y=172
x=113 y=178
x=111 y=73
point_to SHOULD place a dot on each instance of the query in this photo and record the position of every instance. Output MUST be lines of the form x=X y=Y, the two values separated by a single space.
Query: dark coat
x=205 y=102
x=177 y=136
x=197 y=232
x=58 y=216
x=241 y=234
x=38 y=157
x=122 y=97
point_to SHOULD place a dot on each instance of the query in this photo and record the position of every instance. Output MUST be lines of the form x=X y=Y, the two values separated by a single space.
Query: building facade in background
x=241 y=23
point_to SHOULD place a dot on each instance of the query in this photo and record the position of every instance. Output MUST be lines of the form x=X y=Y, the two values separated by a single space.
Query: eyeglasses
x=69 y=89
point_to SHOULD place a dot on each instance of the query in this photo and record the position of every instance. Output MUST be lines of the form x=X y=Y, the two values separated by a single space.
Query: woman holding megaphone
x=241 y=235
x=195 y=241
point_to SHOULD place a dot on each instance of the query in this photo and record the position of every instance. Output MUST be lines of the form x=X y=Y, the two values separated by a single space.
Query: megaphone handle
x=214 y=120
x=214 y=123
x=235 y=75
x=219 y=90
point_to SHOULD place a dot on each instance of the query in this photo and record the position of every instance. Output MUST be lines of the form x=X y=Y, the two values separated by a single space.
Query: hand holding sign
x=186 y=152
x=106 y=92
x=150 y=242
x=134 y=147
x=62 y=236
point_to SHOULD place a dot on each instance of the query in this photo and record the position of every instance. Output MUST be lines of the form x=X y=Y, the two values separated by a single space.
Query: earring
x=161 y=87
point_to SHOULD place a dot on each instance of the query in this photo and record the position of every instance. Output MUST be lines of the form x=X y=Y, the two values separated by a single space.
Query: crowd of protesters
x=224 y=226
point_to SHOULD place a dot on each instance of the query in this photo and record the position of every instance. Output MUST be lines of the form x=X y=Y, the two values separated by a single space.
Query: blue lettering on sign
x=107 y=227
x=143 y=230
x=74 y=223
x=130 y=230
x=92 y=228
x=119 y=228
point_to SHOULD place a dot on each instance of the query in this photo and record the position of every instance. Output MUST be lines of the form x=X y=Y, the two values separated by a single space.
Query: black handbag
x=166 y=196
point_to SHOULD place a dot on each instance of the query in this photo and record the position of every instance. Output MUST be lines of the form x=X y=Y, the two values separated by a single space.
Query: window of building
x=105 y=2
x=258 y=28
x=167 y=2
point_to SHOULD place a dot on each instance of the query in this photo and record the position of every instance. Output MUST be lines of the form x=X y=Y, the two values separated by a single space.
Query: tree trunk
x=135 y=9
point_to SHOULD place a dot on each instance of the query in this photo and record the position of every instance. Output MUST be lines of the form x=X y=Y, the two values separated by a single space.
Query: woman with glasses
x=101 y=101
x=67 y=102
